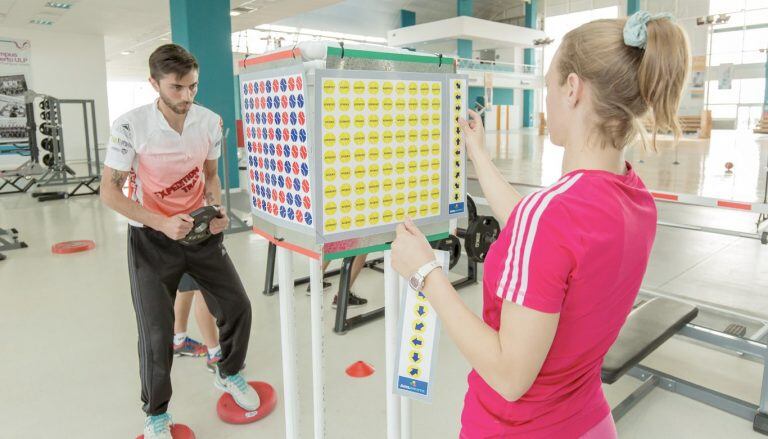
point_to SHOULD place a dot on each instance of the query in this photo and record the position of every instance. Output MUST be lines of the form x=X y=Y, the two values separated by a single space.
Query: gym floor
x=70 y=334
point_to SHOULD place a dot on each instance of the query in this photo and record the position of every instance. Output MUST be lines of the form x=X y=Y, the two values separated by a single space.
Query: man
x=169 y=149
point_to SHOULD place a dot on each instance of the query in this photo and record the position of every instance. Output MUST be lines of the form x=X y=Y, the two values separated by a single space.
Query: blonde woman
x=562 y=277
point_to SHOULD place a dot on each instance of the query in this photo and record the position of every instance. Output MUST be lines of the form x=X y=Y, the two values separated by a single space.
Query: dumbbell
x=47 y=144
x=48 y=128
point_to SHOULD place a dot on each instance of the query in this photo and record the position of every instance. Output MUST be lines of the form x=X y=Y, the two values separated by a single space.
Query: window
x=557 y=26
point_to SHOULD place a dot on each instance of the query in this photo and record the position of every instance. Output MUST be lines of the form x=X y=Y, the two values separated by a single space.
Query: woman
x=562 y=277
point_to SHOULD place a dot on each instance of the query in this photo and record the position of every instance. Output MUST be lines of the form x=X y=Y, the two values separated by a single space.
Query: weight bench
x=647 y=327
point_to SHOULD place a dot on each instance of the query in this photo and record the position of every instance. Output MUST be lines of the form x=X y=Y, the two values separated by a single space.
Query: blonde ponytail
x=627 y=81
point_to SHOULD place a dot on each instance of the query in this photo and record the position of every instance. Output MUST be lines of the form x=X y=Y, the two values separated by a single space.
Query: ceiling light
x=41 y=21
x=126 y=52
x=234 y=13
x=59 y=5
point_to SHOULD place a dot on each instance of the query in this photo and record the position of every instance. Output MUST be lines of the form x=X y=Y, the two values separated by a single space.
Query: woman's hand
x=474 y=135
x=410 y=250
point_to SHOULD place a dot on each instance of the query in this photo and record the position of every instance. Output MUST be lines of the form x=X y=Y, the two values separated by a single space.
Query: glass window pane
x=724 y=6
x=725 y=58
x=753 y=56
x=758 y=16
x=755 y=39
x=727 y=96
x=724 y=42
x=752 y=90
x=756 y=4
x=723 y=111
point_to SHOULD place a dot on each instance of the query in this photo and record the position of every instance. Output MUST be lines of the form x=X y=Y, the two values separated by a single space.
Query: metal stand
x=269 y=280
x=288 y=343
x=344 y=324
x=762 y=220
x=59 y=173
x=11 y=243
x=392 y=288
x=31 y=167
x=11 y=178
x=236 y=224
x=318 y=354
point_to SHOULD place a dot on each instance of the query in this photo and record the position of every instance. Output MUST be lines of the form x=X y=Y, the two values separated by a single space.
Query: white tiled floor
x=69 y=336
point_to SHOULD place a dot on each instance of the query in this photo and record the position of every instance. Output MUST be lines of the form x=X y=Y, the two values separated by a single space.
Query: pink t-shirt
x=579 y=248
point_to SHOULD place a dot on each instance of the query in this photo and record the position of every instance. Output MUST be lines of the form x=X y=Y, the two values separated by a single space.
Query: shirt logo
x=185 y=184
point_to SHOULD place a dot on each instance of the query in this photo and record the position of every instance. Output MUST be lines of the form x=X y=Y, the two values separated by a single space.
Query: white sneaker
x=241 y=391
x=158 y=427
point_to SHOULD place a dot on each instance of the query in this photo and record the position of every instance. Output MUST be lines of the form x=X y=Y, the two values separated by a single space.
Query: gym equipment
x=360 y=369
x=31 y=168
x=452 y=245
x=67 y=247
x=59 y=173
x=650 y=324
x=49 y=129
x=236 y=224
x=178 y=431
x=478 y=237
x=231 y=413
x=201 y=228
x=12 y=242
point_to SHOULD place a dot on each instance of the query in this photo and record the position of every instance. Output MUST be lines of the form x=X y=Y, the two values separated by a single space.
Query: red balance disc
x=178 y=431
x=231 y=413
x=67 y=247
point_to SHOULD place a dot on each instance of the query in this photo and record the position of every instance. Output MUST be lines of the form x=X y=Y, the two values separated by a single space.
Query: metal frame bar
x=12 y=182
x=712 y=398
x=13 y=243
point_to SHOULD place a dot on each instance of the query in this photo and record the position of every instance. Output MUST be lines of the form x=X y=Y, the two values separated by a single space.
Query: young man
x=169 y=149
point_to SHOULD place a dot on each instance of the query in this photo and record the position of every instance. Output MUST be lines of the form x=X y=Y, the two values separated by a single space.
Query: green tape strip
x=374 y=248
x=385 y=56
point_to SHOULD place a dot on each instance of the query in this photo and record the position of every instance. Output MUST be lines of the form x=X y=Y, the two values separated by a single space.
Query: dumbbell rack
x=59 y=173
x=23 y=178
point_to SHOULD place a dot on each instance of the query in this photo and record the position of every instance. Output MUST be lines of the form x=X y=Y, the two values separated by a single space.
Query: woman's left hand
x=410 y=250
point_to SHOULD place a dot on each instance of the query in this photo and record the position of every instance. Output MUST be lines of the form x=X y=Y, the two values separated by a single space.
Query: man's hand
x=177 y=226
x=220 y=223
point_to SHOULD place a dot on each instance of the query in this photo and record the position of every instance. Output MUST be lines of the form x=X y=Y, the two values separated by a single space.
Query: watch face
x=414 y=282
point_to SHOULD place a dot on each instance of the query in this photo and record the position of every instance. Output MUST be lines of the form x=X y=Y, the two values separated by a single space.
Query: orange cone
x=360 y=369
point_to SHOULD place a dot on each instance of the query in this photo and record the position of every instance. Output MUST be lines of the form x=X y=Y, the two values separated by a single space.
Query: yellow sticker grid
x=381 y=143
x=457 y=191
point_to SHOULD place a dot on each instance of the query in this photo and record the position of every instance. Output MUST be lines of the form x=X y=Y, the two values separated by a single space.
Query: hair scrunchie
x=636 y=28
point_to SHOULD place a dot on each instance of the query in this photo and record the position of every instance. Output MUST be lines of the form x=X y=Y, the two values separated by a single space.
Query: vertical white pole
x=318 y=355
x=391 y=306
x=405 y=407
x=288 y=342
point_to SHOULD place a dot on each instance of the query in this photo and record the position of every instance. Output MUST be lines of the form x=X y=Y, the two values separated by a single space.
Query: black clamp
x=341 y=43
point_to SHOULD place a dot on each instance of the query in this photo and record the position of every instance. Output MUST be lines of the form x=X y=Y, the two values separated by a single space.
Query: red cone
x=360 y=369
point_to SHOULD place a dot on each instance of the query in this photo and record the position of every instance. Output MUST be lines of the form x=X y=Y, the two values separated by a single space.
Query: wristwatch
x=417 y=279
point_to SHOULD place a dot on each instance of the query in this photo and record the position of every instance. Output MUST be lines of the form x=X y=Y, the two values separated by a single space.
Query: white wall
x=67 y=66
